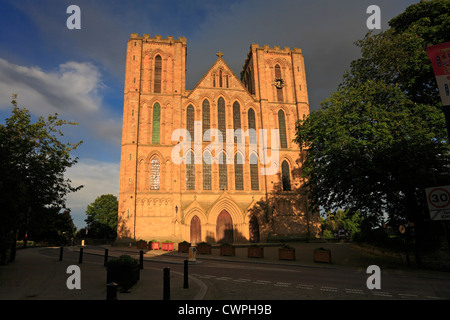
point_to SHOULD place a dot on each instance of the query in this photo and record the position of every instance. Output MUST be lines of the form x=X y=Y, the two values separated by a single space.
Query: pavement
x=37 y=273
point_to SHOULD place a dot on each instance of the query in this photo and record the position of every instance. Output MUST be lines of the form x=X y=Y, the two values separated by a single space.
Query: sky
x=79 y=73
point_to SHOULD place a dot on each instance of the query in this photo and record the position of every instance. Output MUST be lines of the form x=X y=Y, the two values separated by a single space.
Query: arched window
x=206 y=171
x=206 y=123
x=278 y=76
x=252 y=126
x=254 y=175
x=223 y=178
x=190 y=118
x=156 y=123
x=154 y=174
x=220 y=79
x=158 y=73
x=238 y=172
x=190 y=171
x=285 y=176
x=237 y=121
x=221 y=118
x=282 y=129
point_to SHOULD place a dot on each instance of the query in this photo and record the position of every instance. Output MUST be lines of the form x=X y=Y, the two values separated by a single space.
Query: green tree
x=380 y=139
x=346 y=219
x=102 y=217
x=32 y=165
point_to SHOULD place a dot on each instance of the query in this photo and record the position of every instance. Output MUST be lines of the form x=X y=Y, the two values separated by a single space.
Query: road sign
x=438 y=199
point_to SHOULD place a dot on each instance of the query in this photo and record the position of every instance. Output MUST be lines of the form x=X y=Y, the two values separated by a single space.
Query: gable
x=220 y=77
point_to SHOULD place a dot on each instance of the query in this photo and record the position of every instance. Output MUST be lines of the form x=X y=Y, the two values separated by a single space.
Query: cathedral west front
x=216 y=163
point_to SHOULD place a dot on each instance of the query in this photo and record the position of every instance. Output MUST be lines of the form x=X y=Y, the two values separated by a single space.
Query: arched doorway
x=224 y=228
x=254 y=229
x=196 y=230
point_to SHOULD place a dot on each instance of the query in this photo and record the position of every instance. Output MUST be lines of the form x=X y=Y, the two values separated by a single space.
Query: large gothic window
x=190 y=171
x=282 y=129
x=154 y=174
x=190 y=118
x=156 y=123
x=252 y=126
x=285 y=176
x=278 y=76
x=221 y=118
x=206 y=171
x=254 y=176
x=237 y=121
x=238 y=172
x=158 y=73
x=206 y=123
x=223 y=178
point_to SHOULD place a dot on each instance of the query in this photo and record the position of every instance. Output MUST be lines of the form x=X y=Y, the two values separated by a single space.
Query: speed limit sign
x=438 y=199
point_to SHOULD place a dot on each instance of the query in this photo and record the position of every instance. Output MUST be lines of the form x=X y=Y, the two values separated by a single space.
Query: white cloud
x=73 y=91
x=98 y=178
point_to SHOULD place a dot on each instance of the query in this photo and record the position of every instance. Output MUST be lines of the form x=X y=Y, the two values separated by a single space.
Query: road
x=229 y=280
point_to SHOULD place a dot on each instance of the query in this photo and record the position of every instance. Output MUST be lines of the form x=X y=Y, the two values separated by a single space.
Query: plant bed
x=286 y=253
x=167 y=245
x=255 y=252
x=183 y=247
x=322 y=255
x=227 y=250
x=141 y=244
x=125 y=271
x=153 y=245
x=203 y=248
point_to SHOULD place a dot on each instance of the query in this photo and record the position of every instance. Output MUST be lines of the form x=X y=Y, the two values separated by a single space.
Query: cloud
x=74 y=91
x=98 y=178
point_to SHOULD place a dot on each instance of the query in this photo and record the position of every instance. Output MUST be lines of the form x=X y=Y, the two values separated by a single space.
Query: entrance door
x=196 y=230
x=224 y=228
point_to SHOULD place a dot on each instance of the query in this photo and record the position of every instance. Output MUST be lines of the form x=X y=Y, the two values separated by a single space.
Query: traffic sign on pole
x=438 y=199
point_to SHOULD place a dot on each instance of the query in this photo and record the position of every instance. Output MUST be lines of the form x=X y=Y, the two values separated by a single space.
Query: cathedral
x=216 y=163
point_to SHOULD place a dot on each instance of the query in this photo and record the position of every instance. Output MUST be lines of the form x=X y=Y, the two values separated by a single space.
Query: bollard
x=186 y=281
x=61 y=253
x=80 y=258
x=166 y=288
x=111 y=291
x=106 y=257
x=141 y=259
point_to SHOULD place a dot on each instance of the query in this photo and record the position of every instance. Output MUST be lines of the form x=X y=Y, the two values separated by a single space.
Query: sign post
x=438 y=199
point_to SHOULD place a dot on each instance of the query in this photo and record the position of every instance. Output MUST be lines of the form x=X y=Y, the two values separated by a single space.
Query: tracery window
x=221 y=118
x=190 y=171
x=282 y=129
x=236 y=121
x=254 y=175
x=238 y=172
x=223 y=178
x=156 y=123
x=206 y=171
x=190 y=118
x=206 y=123
x=252 y=126
x=158 y=73
x=155 y=174
x=285 y=176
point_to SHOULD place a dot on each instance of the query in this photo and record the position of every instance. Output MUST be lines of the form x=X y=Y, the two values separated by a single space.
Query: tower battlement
x=147 y=37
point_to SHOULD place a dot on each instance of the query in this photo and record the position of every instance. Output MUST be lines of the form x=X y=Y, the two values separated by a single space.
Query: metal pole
x=186 y=275
x=166 y=288
x=80 y=258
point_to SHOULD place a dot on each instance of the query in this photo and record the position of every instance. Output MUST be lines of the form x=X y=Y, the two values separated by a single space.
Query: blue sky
x=80 y=73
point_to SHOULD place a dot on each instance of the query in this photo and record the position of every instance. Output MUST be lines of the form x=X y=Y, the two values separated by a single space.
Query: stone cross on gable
x=219 y=54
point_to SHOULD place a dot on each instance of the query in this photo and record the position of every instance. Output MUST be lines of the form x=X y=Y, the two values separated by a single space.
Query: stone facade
x=257 y=194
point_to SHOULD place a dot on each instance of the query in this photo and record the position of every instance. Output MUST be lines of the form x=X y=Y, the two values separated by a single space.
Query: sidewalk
x=36 y=276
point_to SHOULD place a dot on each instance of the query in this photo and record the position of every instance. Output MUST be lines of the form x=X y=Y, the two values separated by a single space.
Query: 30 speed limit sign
x=439 y=202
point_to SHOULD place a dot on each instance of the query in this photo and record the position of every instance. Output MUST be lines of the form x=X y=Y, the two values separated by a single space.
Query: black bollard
x=186 y=281
x=106 y=257
x=166 y=288
x=61 y=253
x=141 y=259
x=111 y=291
x=80 y=258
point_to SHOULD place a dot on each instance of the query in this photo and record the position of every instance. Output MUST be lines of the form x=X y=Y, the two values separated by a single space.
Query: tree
x=346 y=219
x=32 y=165
x=102 y=217
x=380 y=139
